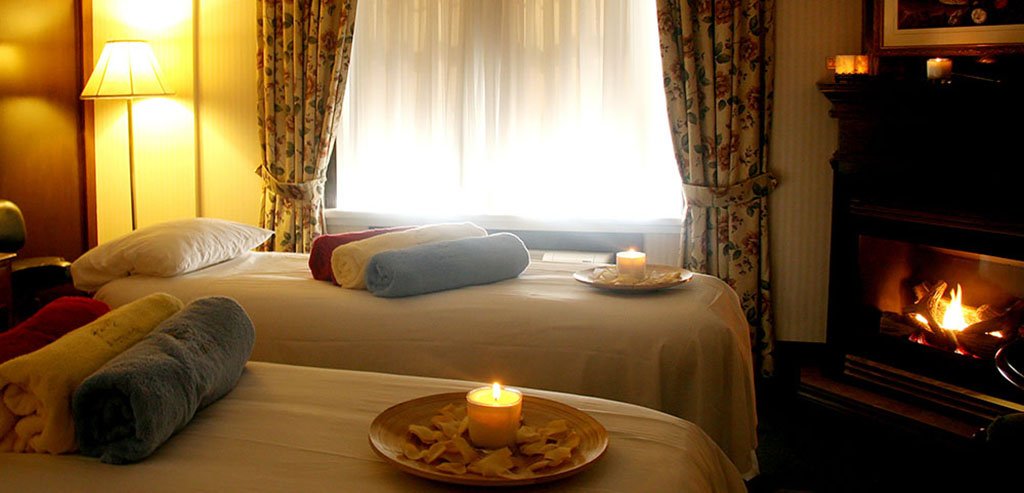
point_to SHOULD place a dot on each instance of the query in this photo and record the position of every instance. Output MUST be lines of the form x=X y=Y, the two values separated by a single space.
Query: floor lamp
x=127 y=70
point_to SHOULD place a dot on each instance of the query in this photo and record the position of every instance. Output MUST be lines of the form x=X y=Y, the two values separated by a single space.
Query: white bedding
x=684 y=351
x=289 y=428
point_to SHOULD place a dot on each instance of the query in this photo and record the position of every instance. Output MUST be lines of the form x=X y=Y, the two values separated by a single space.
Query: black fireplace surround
x=924 y=173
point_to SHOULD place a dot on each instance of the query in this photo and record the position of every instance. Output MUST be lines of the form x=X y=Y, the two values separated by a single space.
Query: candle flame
x=496 y=391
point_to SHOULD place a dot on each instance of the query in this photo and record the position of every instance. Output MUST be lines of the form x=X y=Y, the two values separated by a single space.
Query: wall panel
x=229 y=146
x=41 y=158
x=803 y=138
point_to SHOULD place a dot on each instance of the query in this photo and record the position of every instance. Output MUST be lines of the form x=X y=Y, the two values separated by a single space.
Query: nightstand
x=6 y=292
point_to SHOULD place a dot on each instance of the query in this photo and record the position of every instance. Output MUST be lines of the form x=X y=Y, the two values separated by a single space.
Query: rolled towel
x=324 y=245
x=57 y=318
x=136 y=401
x=446 y=265
x=35 y=409
x=349 y=261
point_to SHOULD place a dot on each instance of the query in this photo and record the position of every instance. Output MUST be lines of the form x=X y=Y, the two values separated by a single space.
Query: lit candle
x=631 y=264
x=860 y=65
x=494 y=414
x=845 y=64
x=939 y=68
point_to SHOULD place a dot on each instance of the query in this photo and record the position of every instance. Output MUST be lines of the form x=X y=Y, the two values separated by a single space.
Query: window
x=530 y=108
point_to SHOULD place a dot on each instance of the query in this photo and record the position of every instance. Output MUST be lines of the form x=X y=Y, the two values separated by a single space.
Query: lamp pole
x=131 y=163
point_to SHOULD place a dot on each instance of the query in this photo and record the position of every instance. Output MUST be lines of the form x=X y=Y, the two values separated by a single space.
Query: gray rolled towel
x=446 y=265
x=137 y=400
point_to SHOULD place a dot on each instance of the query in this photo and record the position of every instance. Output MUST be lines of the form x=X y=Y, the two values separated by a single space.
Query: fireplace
x=953 y=301
x=927 y=261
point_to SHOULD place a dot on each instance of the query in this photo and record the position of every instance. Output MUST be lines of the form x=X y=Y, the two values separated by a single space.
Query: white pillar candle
x=939 y=68
x=631 y=264
x=494 y=413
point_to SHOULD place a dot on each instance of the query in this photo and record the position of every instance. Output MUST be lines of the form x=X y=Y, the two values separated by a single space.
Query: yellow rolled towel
x=349 y=261
x=36 y=389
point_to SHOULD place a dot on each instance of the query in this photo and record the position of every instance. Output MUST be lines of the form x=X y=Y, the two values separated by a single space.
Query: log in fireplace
x=927 y=259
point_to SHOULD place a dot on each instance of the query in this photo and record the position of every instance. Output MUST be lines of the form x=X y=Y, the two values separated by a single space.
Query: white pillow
x=165 y=250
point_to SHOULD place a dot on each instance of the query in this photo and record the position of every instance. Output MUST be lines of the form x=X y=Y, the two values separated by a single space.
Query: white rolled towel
x=349 y=261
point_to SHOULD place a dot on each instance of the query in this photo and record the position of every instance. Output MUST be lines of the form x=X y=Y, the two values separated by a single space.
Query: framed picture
x=947 y=27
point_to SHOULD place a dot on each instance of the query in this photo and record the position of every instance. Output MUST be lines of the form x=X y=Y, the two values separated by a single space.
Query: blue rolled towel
x=446 y=265
x=137 y=400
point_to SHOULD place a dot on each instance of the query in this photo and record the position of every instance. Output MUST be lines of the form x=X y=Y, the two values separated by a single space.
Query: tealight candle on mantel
x=631 y=264
x=939 y=68
x=846 y=64
x=494 y=413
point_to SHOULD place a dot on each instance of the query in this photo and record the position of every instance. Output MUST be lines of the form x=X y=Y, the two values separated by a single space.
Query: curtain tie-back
x=302 y=190
x=739 y=193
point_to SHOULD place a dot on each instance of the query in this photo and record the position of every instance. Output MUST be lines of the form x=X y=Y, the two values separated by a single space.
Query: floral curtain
x=303 y=49
x=718 y=62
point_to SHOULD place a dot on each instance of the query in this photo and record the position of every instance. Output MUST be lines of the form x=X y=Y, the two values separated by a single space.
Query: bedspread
x=290 y=428
x=684 y=350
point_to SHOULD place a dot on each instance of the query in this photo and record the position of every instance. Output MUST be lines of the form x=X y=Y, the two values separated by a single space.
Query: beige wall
x=229 y=147
x=195 y=152
x=803 y=139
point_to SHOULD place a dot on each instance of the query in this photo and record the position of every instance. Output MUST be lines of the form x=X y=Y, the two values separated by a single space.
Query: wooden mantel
x=940 y=154
x=924 y=162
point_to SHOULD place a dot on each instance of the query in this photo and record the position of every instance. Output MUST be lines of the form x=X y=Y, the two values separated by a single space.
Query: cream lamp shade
x=126 y=69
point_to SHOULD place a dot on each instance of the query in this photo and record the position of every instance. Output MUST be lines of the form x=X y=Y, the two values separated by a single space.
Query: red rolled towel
x=57 y=318
x=324 y=245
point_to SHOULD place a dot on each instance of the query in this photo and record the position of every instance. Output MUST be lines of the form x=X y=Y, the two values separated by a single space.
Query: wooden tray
x=390 y=429
x=590 y=276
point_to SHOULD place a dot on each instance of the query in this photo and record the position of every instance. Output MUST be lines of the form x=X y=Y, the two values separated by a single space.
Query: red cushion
x=324 y=245
x=57 y=318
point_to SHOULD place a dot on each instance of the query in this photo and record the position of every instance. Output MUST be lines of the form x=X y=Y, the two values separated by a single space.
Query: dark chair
x=30 y=277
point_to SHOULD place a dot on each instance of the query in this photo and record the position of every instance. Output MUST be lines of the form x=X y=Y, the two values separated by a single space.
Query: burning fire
x=949 y=324
x=954 y=316
x=958 y=317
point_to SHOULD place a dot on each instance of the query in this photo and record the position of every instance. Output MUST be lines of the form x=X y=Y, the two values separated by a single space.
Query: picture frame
x=926 y=28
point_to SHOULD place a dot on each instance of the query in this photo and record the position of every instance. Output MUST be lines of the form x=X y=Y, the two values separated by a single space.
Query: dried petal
x=537 y=448
x=451 y=468
x=554 y=428
x=466 y=451
x=527 y=434
x=454 y=412
x=426 y=435
x=571 y=440
x=558 y=455
x=450 y=429
x=411 y=451
x=496 y=463
x=440 y=419
x=536 y=466
x=434 y=452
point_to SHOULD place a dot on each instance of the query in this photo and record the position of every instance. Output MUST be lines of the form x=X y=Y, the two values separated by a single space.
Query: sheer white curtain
x=533 y=108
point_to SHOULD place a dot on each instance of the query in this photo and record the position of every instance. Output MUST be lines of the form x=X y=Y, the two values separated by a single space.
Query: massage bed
x=684 y=351
x=291 y=428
